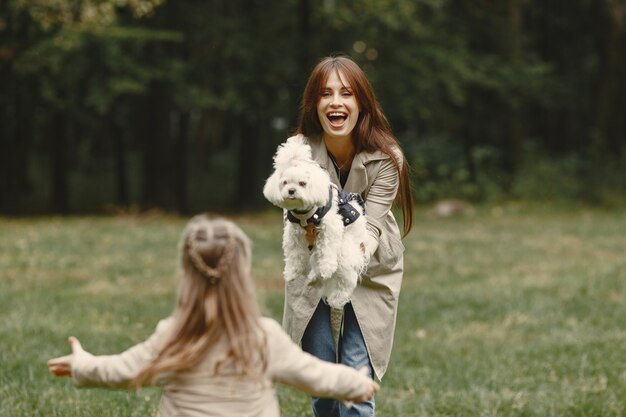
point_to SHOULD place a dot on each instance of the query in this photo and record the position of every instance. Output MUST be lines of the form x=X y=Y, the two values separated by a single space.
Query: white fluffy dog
x=324 y=230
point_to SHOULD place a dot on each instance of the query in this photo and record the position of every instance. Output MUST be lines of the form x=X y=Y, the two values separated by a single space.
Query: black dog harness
x=347 y=211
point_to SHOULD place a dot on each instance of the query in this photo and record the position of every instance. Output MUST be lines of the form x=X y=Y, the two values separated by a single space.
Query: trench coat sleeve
x=117 y=371
x=289 y=365
x=379 y=200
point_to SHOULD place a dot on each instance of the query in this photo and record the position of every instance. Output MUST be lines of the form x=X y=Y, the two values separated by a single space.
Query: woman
x=215 y=356
x=351 y=138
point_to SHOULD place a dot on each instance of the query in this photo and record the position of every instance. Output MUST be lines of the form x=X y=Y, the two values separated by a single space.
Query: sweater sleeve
x=289 y=365
x=117 y=371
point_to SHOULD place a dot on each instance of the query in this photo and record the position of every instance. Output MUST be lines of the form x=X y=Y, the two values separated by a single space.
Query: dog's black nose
x=291 y=191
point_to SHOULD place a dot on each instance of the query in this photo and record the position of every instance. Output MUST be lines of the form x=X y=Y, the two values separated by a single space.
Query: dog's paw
x=312 y=276
x=327 y=270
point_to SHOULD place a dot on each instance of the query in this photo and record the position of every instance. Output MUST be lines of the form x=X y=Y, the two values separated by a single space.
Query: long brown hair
x=372 y=131
x=215 y=299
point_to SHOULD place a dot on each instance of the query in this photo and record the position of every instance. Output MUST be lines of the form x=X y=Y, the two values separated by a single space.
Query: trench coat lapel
x=358 y=179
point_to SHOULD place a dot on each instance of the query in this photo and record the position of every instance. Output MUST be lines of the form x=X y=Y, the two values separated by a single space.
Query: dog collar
x=303 y=218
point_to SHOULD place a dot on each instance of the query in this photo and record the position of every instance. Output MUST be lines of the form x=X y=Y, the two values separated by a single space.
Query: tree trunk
x=155 y=136
x=513 y=145
x=248 y=183
x=608 y=138
x=59 y=151
x=15 y=138
x=149 y=172
x=304 y=26
x=468 y=154
x=122 y=197
x=180 y=186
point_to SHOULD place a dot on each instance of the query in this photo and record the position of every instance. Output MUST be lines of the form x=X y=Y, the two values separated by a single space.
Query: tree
x=81 y=71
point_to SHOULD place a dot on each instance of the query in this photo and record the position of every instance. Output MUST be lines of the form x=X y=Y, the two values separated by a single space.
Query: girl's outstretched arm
x=115 y=371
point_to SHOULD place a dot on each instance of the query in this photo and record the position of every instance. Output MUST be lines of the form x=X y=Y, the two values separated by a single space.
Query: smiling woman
x=352 y=140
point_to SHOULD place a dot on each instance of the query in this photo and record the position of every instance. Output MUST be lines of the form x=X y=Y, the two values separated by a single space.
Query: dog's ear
x=271 y=189
x=318 y=194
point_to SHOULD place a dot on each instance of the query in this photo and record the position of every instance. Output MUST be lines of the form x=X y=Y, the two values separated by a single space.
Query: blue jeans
x=318 y=341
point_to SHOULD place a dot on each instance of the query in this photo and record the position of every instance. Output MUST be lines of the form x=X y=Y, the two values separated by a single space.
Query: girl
x=351 y=138
x=215 y=356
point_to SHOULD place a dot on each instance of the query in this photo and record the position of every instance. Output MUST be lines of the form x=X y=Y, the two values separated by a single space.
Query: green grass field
x=514 y=312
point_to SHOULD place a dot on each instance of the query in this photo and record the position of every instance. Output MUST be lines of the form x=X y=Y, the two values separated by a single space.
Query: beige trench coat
x=375 y=299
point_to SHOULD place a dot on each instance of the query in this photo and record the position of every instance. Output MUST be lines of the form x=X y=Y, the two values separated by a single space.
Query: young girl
x=215 y=356
x=351 y=138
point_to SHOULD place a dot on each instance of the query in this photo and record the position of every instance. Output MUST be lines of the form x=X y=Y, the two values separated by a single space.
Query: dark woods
x=179 y=105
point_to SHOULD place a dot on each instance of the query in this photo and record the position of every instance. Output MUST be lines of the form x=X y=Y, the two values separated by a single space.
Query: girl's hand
x=369 y=390
x=62 y=366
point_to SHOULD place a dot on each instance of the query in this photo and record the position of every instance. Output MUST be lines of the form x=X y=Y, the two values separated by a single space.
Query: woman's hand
x=366 y=253
x=62 y=366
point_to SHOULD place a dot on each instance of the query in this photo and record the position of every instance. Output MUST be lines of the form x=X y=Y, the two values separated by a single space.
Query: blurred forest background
x=180 y=104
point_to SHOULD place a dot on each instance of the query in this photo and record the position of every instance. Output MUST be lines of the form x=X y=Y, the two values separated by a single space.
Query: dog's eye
x=284 y=182
x=302 y=184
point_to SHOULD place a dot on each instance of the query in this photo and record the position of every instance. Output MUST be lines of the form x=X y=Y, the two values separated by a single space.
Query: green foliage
x=441 y=169
x=82 y=67
x=545 y=179
x=54 y=14
x=80 y=40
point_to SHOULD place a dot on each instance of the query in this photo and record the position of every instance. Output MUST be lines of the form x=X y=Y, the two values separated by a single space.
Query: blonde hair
x=216 y=298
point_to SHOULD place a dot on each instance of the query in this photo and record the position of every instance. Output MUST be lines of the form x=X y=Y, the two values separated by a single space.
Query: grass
x=516 y=311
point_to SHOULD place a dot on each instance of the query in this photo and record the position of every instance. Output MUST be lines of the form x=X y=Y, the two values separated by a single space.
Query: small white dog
x=325 y=228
